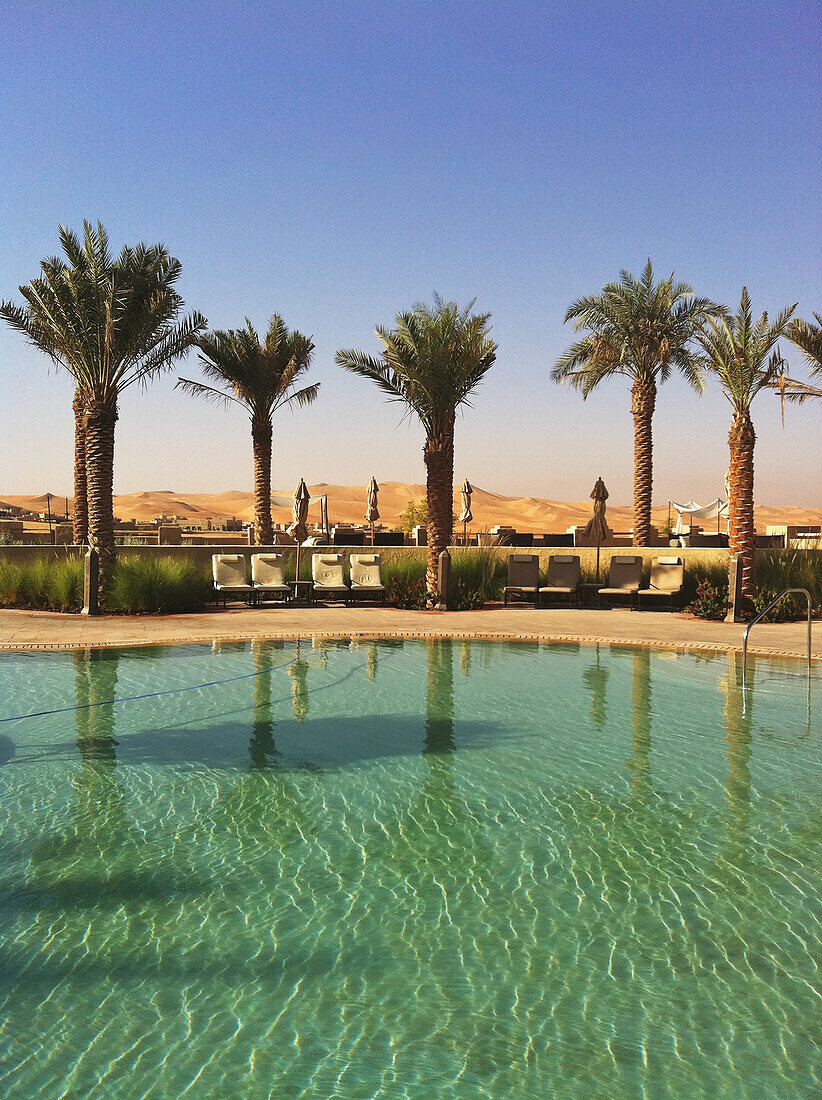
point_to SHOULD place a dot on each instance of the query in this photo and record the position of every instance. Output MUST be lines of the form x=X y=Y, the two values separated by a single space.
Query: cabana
x=716 y=509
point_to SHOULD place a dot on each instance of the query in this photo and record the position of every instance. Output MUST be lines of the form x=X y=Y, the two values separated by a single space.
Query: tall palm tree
x=744 y=357
x=110 y=323
x=432 y=361
x=643 y=330
x=261 y=377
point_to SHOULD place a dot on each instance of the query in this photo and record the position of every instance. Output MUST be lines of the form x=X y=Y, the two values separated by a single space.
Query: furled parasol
x=300 y=513
x=372 y=512
x=466 y=515
x=597 y=529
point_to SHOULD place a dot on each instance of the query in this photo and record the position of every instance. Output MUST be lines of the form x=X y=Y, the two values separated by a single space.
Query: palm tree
x=109 y=323
x=745 y=359
x=808 y=338
x=260 y=377
x=432 y=361
x=643 y=330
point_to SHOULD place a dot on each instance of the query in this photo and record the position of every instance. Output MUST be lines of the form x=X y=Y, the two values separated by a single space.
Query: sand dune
x=346 y=504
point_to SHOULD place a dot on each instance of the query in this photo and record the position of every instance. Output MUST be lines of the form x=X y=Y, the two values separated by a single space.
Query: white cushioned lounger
x=328 y=573
x=229 y=574
x=366 y=575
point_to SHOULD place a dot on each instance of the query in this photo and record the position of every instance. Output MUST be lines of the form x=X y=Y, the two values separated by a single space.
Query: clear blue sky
x=336 y=162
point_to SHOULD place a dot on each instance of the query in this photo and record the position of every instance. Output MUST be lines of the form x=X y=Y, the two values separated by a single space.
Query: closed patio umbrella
x=597 y=529
x=466 y=515
x=300 y=513
x=372 y=512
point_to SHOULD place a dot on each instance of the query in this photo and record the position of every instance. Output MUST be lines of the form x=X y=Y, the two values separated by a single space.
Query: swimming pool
x=409 y=870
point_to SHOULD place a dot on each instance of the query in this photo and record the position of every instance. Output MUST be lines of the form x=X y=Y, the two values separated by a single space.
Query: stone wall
x=693 y=556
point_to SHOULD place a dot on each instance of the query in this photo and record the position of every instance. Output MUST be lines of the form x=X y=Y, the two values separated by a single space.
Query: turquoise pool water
x=409 y=870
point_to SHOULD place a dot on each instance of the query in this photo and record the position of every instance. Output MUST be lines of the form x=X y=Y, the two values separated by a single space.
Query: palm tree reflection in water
x=639 y=764
x=95 y=683
x=97 y=830
x=439 y=724
x=738 y=743
x=261 y=750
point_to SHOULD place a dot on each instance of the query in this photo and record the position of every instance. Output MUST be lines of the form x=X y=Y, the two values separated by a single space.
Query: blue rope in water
x=149 y=695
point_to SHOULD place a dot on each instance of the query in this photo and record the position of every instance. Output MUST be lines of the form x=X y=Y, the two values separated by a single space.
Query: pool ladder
x=761 y=615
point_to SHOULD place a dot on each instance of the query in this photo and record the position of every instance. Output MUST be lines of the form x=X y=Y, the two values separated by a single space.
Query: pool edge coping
x=540 y=638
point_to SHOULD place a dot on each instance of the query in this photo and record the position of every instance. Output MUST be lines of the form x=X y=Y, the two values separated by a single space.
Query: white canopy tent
x=287 y=502
x=715 y=510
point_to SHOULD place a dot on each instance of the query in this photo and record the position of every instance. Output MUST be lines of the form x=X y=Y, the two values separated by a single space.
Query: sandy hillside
x=346 y=504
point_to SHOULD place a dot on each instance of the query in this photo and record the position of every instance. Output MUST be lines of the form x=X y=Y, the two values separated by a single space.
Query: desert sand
x=346 y=504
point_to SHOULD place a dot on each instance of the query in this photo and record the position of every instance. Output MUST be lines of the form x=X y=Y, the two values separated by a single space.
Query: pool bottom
x=410 y=870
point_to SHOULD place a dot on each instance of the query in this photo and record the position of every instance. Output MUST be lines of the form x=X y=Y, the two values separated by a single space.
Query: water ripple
x=391 y=873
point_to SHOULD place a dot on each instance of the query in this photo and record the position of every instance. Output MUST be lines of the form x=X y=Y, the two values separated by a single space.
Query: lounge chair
x=329 y=579
x=562 y=579
x=523 y=578
x=228 y=571
x=268 y=576
x=366 y=576
x=624 y=578
x=667 y=581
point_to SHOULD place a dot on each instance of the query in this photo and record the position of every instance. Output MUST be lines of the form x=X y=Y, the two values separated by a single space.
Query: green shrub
x=698 y=573
x=66 y=584
x=404 y=580
x=710 y=601
x=789 y=569
x=290 y=565
x=410 y=595
x=36 y=584
x=477 y=577
x=170 y=585
x=415 y=514
x=788 y=610
x=42 y=584
x=10 y=579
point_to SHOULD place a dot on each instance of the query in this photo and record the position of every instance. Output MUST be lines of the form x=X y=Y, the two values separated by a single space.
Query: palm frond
x=259 y=376
x=208 y=393
x=432 y=361
x=108 y=322
x=808 y=338
x=742 y=353
x=304 y=397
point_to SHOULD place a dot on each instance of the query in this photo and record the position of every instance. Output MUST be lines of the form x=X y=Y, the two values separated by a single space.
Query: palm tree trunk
x=100 y=418
x=80 y=511
x=741 y=440
x=261 y=440
x=439 y=488
x=643 y=400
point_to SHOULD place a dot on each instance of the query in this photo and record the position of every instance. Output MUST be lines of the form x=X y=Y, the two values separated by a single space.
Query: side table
x=303 y=591
x=589 y=588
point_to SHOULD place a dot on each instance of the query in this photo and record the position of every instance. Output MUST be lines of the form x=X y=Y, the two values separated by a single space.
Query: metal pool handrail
x=761 y=615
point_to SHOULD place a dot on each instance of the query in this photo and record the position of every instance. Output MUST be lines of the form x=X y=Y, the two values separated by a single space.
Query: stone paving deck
x=40 y=630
